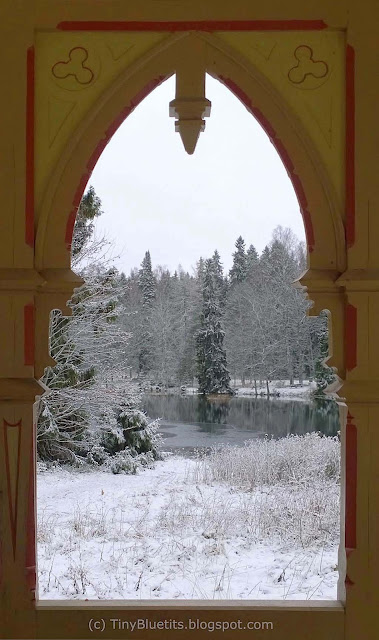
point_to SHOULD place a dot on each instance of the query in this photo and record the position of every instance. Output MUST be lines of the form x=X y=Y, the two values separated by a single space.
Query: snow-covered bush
x=131 y=430
x=125 y=441
x=97 y=455
x=285 y=490
x=125 y=462
x=131 y=444
x=295 y=460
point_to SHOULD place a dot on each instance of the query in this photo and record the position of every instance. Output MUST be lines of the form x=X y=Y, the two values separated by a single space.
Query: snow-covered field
x=172 y=532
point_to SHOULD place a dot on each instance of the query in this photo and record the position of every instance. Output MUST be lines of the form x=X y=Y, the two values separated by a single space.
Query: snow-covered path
x=161 y=534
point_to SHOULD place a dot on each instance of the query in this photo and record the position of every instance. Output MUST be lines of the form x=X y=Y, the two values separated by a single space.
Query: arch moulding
x=61 y=188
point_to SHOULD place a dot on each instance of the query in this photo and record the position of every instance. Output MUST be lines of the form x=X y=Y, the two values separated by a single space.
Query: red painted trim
x=283 y=153
x=350 y=336
x=29 y=151
x=12 y=514
x=29 y=327
x=350 y=146
x=148 y=88
x=189 y=25
x=351 y=486
x=30 y=556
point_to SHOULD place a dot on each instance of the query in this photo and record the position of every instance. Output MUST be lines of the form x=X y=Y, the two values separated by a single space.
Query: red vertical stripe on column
x=29 y=143
x=350 y=146
x=29 y=322
x=350 y=337
x=351 y=485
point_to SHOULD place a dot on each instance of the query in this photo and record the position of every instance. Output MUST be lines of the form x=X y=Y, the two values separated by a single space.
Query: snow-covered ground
x=296 y=392
x=166 y=534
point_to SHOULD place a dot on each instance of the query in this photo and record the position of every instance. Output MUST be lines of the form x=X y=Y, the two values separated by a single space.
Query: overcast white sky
x=180 y=207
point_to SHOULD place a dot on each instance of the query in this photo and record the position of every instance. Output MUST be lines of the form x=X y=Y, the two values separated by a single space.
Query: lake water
x=190 y=422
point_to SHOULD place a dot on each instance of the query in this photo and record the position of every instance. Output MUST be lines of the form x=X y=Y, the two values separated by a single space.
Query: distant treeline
x=249 y=324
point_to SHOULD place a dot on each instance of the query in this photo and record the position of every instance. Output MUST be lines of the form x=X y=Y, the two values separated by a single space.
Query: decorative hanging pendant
x=190 y=105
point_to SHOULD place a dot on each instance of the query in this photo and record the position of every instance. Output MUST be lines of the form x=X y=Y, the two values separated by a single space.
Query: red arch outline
x=148 y=88
x=283 y=154
x=258 y=115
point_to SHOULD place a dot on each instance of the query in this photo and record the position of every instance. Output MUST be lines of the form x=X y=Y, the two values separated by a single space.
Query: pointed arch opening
x=54 y=241
x=318 y=204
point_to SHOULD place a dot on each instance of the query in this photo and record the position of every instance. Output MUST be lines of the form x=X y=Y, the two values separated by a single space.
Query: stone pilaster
x=26 y=299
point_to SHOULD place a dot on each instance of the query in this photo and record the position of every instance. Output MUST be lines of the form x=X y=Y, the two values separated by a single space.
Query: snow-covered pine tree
x=147 y=286
x=89 y=209
x=62 y=422
x=147 y=281
x=212 y=372
x=200 y=270
x=83 y=413
x=130 y=442
x=239 y=268
x=252 y=260
x=220 y=282
x=217 y=267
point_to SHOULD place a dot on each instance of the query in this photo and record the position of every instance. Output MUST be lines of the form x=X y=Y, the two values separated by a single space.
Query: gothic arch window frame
x=62 y=194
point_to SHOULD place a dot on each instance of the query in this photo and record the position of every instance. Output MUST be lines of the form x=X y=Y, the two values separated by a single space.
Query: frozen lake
x=189 y=422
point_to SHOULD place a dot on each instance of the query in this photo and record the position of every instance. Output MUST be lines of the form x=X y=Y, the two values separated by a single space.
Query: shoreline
x=277 y=391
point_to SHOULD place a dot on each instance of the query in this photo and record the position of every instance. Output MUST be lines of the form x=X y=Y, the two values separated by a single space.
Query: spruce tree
x=62 y=428
x=146 y=280
x=252 y=260
x=63 y=421
x=147 y=285
x=89 y=209
x=220 y=282
x=239 y=269
x=212 y=372
x=90 y=414
x=200 y=268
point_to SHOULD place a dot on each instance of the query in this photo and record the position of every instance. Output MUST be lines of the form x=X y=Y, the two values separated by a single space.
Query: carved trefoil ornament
x=75 y=67
x=308 y=72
